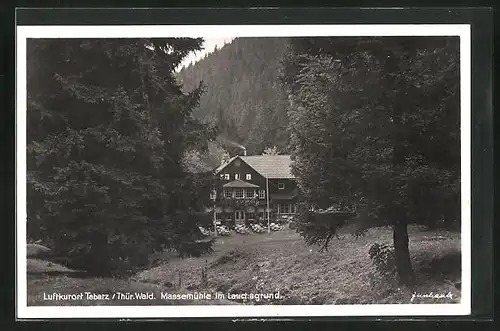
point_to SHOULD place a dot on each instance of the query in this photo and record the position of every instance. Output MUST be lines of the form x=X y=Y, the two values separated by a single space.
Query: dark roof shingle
x=271 y=166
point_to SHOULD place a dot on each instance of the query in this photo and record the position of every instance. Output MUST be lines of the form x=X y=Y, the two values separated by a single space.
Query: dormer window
x=281 y=186
x=236 y=176
x=249 y=177
x=226 y=177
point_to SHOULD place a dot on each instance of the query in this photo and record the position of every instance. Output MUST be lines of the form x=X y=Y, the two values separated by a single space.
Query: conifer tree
x=108 y=125
x=374 y=124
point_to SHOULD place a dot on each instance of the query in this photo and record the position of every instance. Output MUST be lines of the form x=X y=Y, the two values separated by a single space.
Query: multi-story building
x=255 y=188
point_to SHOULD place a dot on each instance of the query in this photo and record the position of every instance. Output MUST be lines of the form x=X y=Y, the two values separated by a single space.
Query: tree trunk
x=403 y=262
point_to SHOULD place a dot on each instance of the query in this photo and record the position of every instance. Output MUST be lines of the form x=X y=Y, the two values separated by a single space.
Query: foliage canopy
x=374 y=126
x=108 y=125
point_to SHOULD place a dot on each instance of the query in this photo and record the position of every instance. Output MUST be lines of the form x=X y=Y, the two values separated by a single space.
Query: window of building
x=213 y=195
x=281 y=186
x=236 y=176
x=293 y=208
x=218 y=216
x=249 y=177
x=228 y=193
x=226 y=177
x=262 y=194
x=239 y=215
x=238 y=193
x=261 y=215
x=251 y=216
x=250 y=193
x=283 y=208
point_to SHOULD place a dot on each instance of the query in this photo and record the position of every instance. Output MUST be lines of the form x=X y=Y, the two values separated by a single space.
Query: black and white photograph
x=274 y=171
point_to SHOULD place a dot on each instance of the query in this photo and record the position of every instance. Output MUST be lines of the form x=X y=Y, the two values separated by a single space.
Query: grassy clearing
x=271 y=263
x=41 y=267
x=47 y=278
x=36 y=250
x=280 y=261
x=39 y=290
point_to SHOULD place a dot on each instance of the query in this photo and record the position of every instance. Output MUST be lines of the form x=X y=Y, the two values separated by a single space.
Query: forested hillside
x=243 y=94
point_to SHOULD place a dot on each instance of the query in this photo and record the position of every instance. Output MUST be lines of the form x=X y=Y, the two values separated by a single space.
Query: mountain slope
x=243 y=92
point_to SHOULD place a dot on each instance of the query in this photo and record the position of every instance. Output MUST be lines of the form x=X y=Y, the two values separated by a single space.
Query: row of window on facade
x=280 y=209
x=236 y=176
x=281 y=186
x=240 y=193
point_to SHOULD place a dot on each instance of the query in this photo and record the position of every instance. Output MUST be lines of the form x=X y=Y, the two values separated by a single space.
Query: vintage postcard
x=243 y=171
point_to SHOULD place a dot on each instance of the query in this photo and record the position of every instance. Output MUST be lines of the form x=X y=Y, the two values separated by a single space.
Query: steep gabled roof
x=223 y=165
x=240 y=184
x=270 y=166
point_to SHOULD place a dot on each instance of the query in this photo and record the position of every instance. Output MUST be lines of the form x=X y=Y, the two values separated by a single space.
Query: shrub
x=275 y=227
x=241 y=229
x=257 y=228
x=223 y=230
x=36 y=250
x=204 y=231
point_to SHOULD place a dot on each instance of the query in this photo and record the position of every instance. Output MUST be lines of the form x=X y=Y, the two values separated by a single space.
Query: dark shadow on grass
x=230 y=257
x=443 y=267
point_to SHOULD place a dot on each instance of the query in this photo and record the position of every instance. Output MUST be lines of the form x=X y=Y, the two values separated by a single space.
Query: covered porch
x=284 y=204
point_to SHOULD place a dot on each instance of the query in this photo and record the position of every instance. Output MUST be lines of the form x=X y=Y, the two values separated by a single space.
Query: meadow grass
x=281 y=261
x=270 y=263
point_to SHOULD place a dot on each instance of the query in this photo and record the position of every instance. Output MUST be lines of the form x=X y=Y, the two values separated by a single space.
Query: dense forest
x=243 y=94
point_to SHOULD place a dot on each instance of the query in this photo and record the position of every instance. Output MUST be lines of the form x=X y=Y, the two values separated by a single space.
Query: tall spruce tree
x=374 y=124
x=107 y=128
